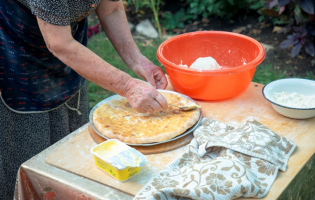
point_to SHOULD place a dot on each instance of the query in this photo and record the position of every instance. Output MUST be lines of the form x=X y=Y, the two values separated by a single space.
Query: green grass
x=265 y=74
x=100 y=45
x=309 y=75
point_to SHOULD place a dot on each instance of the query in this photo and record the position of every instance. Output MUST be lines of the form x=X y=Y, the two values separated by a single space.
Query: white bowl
x=301 y=86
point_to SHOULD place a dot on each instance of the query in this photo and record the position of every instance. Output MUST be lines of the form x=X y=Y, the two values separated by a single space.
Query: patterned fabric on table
x=223 y=162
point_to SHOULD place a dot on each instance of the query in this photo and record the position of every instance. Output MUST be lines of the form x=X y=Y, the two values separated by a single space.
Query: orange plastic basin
x=238 y=55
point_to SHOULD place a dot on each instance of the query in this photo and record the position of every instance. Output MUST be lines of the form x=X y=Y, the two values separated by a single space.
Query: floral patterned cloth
x=223 y=162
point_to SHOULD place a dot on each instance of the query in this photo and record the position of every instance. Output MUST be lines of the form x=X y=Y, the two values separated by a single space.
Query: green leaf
x=181 y=25
x=193 y=4
x=194 y=11
x=201 y=7
x=231 y=2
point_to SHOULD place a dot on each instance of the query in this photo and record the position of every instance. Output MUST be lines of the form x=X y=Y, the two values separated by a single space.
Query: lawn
x=100 y=45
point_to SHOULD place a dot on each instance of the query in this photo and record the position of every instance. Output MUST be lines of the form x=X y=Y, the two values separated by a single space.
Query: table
x=40 y=180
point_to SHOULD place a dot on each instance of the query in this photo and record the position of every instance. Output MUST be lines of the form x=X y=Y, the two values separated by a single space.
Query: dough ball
x=206 y=63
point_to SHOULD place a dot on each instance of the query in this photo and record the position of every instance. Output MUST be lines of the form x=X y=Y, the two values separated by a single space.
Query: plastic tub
x=118 y=159
x=238 y=55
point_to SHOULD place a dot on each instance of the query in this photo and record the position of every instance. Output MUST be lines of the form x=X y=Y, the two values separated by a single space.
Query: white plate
x=145 y=144
x=301 y=86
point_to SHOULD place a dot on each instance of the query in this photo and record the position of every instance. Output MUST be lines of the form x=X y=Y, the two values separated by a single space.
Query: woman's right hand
x=143 y=97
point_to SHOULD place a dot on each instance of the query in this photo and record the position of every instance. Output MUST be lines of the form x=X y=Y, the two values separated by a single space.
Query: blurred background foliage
x=295 y=16
x=292 y=17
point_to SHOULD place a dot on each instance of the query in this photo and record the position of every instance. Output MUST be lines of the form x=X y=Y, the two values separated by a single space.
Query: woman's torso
x=32 y=78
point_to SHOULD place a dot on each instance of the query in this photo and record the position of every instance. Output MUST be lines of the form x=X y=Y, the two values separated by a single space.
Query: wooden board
x=75 y=157
x=159 y=148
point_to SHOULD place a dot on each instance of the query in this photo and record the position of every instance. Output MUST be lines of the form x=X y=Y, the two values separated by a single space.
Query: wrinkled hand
x=144 y=97
x=151 y=73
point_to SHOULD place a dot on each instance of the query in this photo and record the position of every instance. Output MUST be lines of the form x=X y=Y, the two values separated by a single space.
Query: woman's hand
x=143 y=97
x=151 y=73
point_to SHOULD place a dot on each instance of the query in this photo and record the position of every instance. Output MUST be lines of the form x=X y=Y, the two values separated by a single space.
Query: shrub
x=300 y=19
x=222 y=8
x=194 y=9
x=171 y=21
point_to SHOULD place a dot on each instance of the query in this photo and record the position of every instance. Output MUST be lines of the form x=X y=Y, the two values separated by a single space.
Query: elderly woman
x=43 y=66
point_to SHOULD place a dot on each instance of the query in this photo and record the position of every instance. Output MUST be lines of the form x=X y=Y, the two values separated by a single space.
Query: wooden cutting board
x=74 y=155
x=159 y=148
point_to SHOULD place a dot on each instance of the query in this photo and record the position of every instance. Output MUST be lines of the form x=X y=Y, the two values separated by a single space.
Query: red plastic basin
x=238 y=55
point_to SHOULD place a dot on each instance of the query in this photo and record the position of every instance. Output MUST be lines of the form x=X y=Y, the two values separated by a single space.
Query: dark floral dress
x=41 y=99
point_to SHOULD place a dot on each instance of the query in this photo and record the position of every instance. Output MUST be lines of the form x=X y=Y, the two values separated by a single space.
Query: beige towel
x=223 y=162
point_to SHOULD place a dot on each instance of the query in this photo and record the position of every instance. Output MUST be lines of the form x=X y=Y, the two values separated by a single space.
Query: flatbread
x=116 y=119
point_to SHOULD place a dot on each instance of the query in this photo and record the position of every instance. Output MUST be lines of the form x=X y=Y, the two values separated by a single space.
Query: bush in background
x=191 y=10
x=195 y=9
x=226 y=9
x=295 y=16
x=298 y=15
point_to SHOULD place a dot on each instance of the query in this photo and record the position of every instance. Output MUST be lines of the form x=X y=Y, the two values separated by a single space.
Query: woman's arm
x=143 y=97
x=114 y=22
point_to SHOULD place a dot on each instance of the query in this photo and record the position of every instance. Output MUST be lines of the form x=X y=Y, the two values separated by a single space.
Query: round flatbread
x=116 y=119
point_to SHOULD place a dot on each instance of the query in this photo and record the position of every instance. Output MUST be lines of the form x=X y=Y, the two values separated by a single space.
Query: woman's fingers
x=145 y=98
x=161 y=101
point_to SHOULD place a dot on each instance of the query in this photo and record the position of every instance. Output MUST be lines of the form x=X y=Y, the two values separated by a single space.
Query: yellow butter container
x=118 y=159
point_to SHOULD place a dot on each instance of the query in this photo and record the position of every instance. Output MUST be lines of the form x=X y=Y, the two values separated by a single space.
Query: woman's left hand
x=151 y=73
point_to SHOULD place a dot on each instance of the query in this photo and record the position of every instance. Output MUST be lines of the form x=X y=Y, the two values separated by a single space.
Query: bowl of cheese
x=292 y=97
x=210 y=65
